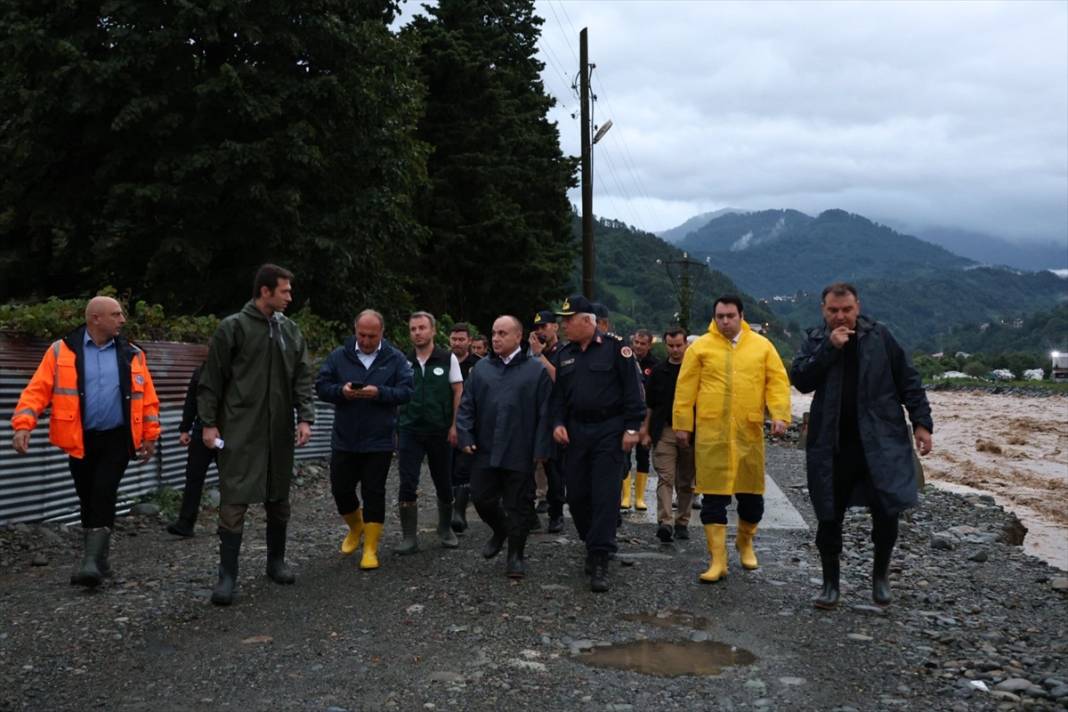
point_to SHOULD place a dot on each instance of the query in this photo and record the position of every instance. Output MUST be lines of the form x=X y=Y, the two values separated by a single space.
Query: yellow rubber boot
x=717 y=553
x=372 y=532
x=640 y=478
x=624 y=499
x=744 y=544
x=352 y=539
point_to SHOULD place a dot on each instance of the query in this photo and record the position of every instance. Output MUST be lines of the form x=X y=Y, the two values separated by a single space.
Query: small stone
x=1059 y=583
x=943 y=542
x=414 y=608
x=1003 y=695
x=859 y=636
x=145 y=509
x=979 y=556
x=1013 y=684
x=792 y=680
x=39 y=560
x=446 y=676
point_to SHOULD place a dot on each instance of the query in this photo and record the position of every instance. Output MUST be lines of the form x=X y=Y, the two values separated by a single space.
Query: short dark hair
x=675 y=331
x=268 y=276
x=644 y=333
x=729 y=299
x=483 y=339
x=839 y=289
x=460 y=326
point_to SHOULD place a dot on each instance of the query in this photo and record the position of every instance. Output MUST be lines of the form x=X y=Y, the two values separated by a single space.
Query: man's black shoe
x=681 y=532
x=663 y=533
x=556 y=524
x=542 y=507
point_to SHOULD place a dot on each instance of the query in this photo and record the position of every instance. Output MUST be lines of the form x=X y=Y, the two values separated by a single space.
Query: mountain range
x=784 y=257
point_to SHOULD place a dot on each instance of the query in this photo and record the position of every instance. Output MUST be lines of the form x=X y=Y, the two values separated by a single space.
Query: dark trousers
x=97 y=475
x=556 y=494
x=197 y=461
x=851 y=474
x=503 y=499
x=592 y=463
x=369 y=471
x=461 y=467
x=641 y=455
x=412 y=448
x=714 y=507
x=232 y=516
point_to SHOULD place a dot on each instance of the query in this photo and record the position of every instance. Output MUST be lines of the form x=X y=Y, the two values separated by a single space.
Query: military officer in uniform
x=596 y=409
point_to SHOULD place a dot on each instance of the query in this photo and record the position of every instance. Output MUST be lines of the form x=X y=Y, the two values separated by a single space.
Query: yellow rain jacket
x=730 y=387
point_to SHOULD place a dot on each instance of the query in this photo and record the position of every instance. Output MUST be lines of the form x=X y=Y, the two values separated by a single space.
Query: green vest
x=431 y=405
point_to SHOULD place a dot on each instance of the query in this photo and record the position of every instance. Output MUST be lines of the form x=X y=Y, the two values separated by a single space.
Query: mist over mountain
x=992 y=250
x=676 y=234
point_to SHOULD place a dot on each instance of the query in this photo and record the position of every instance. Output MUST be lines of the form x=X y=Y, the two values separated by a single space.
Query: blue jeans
x=412 y=448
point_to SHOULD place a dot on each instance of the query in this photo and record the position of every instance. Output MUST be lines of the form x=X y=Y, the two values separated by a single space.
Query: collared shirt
x=103 y=397
x=367 y=359
x=508 y=359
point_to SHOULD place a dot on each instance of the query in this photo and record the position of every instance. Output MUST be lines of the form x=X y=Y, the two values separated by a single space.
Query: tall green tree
x=170 y=147
x=496 y=206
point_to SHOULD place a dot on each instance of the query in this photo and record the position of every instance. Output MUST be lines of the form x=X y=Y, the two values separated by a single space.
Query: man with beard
x=257 y=374
x=858 y=448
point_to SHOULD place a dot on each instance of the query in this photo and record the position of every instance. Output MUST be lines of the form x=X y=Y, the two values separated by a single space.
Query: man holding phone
x=366 y=379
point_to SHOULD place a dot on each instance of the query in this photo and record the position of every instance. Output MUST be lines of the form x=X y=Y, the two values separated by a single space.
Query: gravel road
x=976 y=624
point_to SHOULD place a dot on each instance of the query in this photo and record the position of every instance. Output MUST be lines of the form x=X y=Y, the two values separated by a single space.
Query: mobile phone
x=356 y=386
x=542 y=338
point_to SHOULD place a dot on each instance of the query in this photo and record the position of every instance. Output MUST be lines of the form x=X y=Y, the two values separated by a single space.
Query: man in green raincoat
x=257 y=374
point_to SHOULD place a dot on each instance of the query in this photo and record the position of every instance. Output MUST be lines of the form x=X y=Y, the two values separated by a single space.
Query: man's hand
x=682 y=438
x=645 y=438
x=469 y=450
x=535 y=345
x=367 y=392
x=560 y=435
x=184 y=439
x=303 y=433
x=148 y=449
x=923 y=439
x=21 y=441
x=629 y=441
x=778 y=428
x=209 y=437
x=349 y=392
x=454 y=437
x=840 y=336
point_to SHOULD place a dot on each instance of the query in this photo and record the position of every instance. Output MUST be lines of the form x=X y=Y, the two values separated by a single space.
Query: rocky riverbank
x=976 y=624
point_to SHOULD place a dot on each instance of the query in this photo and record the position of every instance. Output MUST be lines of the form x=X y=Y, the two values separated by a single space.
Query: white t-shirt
x=455 y=374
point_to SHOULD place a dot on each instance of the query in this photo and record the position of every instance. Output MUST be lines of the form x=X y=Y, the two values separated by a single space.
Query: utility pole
x=683 y=286
x=587 y=168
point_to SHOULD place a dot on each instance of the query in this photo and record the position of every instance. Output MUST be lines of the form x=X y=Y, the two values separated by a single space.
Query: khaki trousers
x=675 y=471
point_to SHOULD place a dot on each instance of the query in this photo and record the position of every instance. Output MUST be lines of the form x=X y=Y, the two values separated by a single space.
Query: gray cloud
x=928 y=113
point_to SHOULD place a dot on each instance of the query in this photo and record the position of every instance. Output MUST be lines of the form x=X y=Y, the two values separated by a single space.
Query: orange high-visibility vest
x=55 y=383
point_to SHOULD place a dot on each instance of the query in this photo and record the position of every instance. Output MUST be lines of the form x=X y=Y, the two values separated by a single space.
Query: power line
x=563 y=32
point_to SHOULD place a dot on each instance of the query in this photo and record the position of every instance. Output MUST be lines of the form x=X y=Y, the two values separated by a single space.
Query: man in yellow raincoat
x=728 y=377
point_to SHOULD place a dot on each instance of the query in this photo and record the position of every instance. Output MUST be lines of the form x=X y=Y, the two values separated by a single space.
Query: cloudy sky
x=940 y=113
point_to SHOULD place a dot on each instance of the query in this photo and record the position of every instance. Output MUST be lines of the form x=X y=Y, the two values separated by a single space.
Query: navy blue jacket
x=886 y=382
x=504 y=413
x=362 y=424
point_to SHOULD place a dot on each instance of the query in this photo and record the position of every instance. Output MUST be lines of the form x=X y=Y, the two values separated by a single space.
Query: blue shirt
x=103 y=397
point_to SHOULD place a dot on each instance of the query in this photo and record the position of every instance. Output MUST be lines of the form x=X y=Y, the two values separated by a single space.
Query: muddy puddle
x=669 y=658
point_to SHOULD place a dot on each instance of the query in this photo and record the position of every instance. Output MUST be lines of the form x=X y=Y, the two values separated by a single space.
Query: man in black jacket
x=858 y=449
x=366 y=379
x=503 y=422
x=197 y=461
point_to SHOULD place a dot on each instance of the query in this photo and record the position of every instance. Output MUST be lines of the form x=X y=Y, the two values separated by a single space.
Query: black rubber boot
x=409 y=519
x=277 y=570
x=445 y=533
x=828 y=597
x=599 y=573
x=880 y=576
x=517 y=567
x=102 y=561
x=461 y=495
x=89 y=573
x=229 y=549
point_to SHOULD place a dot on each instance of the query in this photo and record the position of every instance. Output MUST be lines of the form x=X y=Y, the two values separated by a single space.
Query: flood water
x=669 y=658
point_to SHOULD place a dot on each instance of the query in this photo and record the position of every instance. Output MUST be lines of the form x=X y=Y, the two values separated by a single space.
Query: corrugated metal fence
x=38 y=486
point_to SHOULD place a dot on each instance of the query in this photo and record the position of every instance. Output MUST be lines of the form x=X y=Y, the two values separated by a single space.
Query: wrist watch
x=631 y=432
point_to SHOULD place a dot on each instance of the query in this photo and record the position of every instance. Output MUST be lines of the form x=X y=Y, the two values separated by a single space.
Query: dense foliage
x=496 y=205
